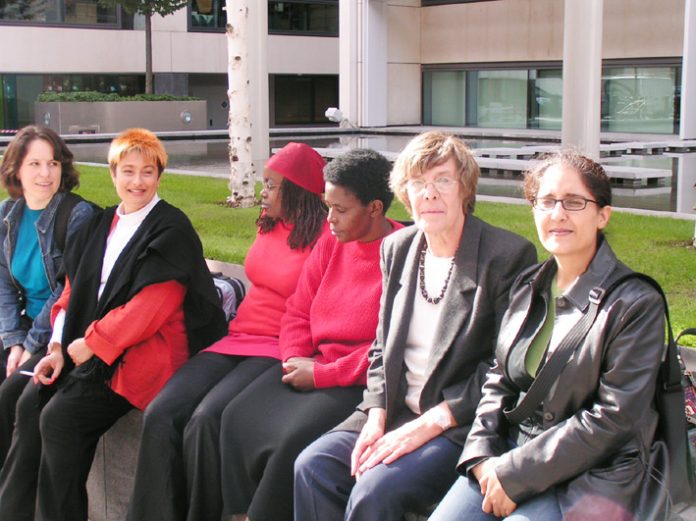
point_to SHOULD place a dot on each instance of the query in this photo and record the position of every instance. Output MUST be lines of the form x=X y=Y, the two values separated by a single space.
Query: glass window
x=314 y=17
x=302 y=99
x=501 y=99
x=444 y=98
x=639 y=99
x=60 y=12
x=546 y=96
x=207 y=15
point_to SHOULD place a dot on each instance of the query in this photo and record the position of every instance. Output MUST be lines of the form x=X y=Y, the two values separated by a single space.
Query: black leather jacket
x=594 y=430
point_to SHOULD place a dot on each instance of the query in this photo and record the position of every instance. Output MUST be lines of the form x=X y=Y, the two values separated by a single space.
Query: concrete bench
x=110 y=481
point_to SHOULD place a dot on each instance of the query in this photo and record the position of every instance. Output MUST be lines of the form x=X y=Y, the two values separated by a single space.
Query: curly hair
x=431 y=149
x=304 y=209
x=365 y=173
x=17 y=151
x=591 y=173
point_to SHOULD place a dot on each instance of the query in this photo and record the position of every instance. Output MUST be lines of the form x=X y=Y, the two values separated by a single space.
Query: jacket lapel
x=458 y=301
x=402 y=309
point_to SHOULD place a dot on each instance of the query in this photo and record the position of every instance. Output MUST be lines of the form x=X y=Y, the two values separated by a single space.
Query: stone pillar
x=687 y=127
x=363 y=61
x=258 y=76
x=582 y=75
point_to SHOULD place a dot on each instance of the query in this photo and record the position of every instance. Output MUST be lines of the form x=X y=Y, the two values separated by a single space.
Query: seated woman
x=581 y=454
x=37 y=220
x=445 y=287
x=171 y=480
x=138 y=297
x=325 y=333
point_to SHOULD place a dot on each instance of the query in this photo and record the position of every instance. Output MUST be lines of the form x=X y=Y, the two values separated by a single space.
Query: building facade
x=486 y=64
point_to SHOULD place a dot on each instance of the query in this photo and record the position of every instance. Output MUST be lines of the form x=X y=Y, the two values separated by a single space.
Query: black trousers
x=71 y=424
x=53 y=448
x=10 y=391
x=263 y=430
x=178 y=473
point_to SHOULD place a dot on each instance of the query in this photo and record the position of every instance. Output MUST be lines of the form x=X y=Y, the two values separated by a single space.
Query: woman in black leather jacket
x=582 y=454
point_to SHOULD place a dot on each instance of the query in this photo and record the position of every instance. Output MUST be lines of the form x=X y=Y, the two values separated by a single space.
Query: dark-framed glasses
x=443 y=185
x=570 y=204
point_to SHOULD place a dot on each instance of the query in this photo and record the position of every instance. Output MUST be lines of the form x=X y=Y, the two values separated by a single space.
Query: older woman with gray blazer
x=445 y=289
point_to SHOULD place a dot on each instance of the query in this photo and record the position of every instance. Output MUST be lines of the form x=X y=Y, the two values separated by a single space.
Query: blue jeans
x=464 y=500
x=325 y=490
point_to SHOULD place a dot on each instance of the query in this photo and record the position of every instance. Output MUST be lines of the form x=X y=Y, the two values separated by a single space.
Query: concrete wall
x=404 y=62
x=108 y=117
x=530 y=30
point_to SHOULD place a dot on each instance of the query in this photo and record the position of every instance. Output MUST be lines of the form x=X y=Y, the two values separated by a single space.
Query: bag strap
x=60 y=227
x=551 y=370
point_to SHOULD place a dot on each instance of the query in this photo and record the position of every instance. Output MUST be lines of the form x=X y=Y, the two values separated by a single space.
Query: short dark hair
x=365 y=173
x=591 y=173
x=17 y=151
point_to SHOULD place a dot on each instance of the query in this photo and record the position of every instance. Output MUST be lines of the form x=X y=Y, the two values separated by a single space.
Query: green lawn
x=656 y=246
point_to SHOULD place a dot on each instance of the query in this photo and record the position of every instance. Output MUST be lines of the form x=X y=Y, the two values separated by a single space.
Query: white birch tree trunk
x=242 y=175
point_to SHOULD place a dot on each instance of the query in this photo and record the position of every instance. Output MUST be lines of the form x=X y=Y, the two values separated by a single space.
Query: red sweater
x=273 y=269
x=150 y=326
x=332 y=316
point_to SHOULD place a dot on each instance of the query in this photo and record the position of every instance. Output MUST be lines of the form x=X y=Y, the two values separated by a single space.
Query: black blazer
x=593 y=432
x=487 y=262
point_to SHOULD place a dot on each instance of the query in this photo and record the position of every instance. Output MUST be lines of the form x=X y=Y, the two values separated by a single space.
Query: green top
x=541 y=341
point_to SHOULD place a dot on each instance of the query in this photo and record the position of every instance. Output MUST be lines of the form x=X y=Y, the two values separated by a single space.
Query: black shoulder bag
x=669 y=399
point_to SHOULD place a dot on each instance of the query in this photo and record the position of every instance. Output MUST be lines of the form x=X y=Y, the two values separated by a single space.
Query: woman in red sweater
x=179 y=446
x=327 y=329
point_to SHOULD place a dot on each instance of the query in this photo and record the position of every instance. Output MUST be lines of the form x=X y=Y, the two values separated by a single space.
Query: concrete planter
x=104 y=117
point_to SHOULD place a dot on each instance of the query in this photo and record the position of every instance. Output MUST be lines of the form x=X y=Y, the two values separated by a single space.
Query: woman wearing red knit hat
x=179 y=450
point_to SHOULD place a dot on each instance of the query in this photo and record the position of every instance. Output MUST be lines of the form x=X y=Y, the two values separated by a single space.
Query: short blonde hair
x=138 y=140
x=431 y=149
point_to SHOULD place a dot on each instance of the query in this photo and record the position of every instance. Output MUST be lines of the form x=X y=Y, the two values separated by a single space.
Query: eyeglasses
x=443 y=185
x=570 y=204
x=268 y=185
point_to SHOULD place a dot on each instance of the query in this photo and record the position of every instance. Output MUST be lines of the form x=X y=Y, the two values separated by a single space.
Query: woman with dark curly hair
x=186 y=414
x=325 y=333
x=35 y=222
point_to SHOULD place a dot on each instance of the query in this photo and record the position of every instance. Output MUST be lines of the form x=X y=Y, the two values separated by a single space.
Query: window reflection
x=68 y=12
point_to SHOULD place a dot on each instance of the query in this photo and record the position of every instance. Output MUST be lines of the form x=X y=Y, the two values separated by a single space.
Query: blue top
x=27 y=265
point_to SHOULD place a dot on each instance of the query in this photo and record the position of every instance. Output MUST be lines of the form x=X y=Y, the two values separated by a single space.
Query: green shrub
x=92 y=96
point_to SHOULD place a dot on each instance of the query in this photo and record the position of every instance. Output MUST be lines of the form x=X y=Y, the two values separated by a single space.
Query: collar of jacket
x=602 y=265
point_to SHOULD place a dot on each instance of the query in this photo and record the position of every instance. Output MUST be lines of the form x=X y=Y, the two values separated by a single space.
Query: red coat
x=150 y=329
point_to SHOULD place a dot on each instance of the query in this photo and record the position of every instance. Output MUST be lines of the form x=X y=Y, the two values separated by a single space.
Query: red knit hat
x=301 y=164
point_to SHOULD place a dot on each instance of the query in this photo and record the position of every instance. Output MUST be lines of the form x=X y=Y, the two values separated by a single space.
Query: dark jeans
x=10 y=391
x=263 y=430
x=178 y=473
x=325 y=490
x=53 y=445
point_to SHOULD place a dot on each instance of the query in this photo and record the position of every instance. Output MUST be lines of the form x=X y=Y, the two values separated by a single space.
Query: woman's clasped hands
x=495 y=499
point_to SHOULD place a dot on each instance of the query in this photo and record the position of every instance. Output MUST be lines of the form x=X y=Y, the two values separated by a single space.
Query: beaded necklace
x=421 y=278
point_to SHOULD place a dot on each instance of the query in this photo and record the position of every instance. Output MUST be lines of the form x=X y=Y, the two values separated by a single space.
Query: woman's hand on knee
x=371 y=432
x=495 y=499
x=49 y=368
x=399 y=442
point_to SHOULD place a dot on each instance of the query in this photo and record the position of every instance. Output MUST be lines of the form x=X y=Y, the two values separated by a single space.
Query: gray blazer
x=487 y=262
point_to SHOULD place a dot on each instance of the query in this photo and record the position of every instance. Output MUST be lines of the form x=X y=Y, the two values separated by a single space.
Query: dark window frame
x=324 y=34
